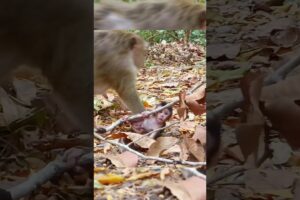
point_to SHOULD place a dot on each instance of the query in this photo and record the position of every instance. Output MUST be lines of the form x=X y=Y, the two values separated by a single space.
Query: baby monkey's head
x=165 y=114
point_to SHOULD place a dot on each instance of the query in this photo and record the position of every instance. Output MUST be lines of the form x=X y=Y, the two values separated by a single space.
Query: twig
x=140 y=115
x=133 y=117
x=195 y=172
x=199 y=84
x=279 y=74
x=222 y=111
x=282 y=71
x=182 y=162
x=147 y=134
x=35 y=180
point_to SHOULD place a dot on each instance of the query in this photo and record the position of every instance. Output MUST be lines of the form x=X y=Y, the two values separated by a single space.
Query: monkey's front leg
x=130 y=97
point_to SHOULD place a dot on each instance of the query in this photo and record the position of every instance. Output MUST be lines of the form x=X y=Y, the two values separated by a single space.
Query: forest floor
x=172 y=70
x=252 y=46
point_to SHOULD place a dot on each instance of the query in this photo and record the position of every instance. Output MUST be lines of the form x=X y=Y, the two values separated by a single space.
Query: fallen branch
x=53 y=168
x=145 y=114
x=283 y=71
x=223 y=175
x=198 y=85
x=133 y=117
x=147 y=134
x=195 y=172
x=216 y=115
x=223 y=110
x=169 y=161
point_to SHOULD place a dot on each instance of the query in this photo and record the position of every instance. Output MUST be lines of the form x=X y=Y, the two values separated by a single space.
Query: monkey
x=153 y=122
x=117 y=57
x=54 y=37
x=150 y=14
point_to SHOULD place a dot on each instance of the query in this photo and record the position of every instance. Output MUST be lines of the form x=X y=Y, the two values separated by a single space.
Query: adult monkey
x=54 y=37
x=117 y=57
x=150 y=14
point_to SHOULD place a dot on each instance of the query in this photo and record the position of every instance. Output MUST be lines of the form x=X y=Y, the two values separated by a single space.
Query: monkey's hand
x=137 y=125
x=145 y=114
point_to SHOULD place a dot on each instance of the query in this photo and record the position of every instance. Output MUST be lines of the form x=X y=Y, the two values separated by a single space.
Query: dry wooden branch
x=223 y=110
x=147 y=134
x=140 y=115
x=53 y=168
x=169 y=161
x=195 y=172
x=230 y=172
x=133 y=117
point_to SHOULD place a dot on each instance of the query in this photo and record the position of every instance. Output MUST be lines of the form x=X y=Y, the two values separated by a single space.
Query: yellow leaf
x=142 y=176
x=111 y=179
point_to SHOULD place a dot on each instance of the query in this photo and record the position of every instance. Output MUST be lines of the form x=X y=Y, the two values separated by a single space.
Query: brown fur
x=55 y=37
x=117 y=57
x=150 y=14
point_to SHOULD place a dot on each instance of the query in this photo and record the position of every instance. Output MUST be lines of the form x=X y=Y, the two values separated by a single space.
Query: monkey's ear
x=133 y=41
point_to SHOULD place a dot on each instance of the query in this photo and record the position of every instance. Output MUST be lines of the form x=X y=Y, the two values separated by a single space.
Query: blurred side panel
x=253 y=99
x=46 y=99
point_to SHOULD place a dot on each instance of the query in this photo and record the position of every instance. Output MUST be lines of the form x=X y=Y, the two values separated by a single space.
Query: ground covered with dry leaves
x=172 y=70
x=30 y=139
x=250 y=43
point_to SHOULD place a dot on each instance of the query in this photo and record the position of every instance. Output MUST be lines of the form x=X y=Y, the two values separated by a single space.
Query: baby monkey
x=153 y=122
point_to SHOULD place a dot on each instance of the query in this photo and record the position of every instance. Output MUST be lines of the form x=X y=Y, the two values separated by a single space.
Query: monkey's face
x=163 y=116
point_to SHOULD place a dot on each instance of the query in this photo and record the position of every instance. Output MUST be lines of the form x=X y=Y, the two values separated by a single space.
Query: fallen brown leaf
x=194 y=188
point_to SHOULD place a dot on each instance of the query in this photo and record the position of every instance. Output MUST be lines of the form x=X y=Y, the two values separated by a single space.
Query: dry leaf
x=187 y=126
x=285 y=38
x=182 y=109
x=265 y=180
x=284 y=114
x=200 y=135
x=194 y=188
x=139 y=139
x=142 y=176
x=111 y=179
x=195 y=148
x=288 y=88
x=196 y=101
x=224 y=49
x=161 y=144
x=125 y=159
x=129 y=159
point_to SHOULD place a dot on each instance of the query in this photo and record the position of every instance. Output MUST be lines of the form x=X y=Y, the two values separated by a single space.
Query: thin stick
x=140 y=115
x=195 y=172
x=45 y=174
x=134 y=117
x=226 y=174
x=147 y=134
x=279 y=74
x=182 y=162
